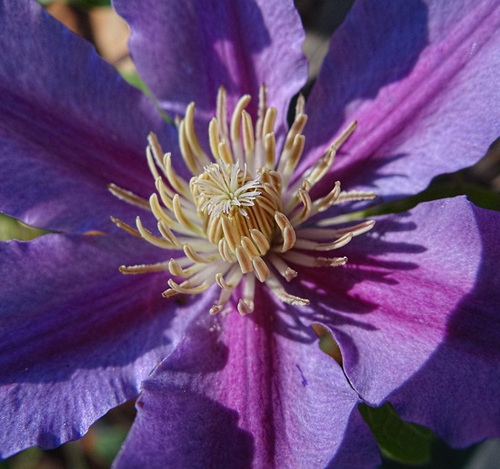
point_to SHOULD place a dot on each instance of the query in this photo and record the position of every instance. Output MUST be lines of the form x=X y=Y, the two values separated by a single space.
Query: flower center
x=238 y=212
x=223 y=187
x=240 y=218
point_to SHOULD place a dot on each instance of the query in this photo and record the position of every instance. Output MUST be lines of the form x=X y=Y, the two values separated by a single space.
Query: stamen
x=295 y=154
x=175 y=181
x=249 y=247
x=282 y=267
x=300 y=105
x=236 y=126
x=225 y=252
x=260 y=269
x=270 y=149
x=182 y=218
x=151 y=163
x=144 y=268
x=269 y=120
x=287 y=231
x=194 y=144
x=260 y=241
x=225 y=152
x=281 y=294
x=195 y=257
x=158 y=212
x=122 y=225
x=351 y=196
x=248 y=141
x=307 y=207
x=320 y=233
x=185 y=288
x=295 y=131
x=246 y=304
x=226 y=290
x=312 y=246
x=244 y=260
x=166 y=194
x=292 y=151
x=155 y=148
x=221 y=114
x=232 y=279
x=346 y=133
x=261 y=112
x=186 y=152
x=326 y=202
x=238 y=219
x=244 y=307
x=230 y=235
x=176 y=269
x=306 y=260
x=128 y=196
x=151 y=238
x=166 y=232
x=213 y=138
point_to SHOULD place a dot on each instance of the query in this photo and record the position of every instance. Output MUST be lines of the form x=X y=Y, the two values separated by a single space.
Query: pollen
x=244 y=216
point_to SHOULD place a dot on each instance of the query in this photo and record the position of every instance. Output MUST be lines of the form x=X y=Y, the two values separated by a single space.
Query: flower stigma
x=244 y=216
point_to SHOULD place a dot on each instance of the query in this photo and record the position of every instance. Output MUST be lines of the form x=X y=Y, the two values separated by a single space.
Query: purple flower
x=413 y=310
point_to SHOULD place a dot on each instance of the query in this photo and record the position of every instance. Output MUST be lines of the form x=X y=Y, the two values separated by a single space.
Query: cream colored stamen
x=238 y=219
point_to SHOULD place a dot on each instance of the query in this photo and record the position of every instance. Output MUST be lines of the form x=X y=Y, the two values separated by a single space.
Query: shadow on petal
x=352 y=73
x=333 y=299
x=176 y=427
x=199 y=341
x=455 y=392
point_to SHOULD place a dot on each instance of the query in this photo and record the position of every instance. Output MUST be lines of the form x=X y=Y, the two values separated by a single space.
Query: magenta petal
x=76 y=336
x=456 y=391
x=70 y=126
x=258 y=393
x=412 y=286
x=424 y=88
x=186 y=50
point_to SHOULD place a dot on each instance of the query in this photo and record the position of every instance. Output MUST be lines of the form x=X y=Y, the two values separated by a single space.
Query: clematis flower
x=413 y=310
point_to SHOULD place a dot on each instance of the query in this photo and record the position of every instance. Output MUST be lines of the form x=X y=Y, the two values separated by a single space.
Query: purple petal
x=424 y=88
x=358 y=449
x=70 y=126
x=258 y=393
x=410 y=286
x=185 y=51
x=76 y=336
x=456 y=392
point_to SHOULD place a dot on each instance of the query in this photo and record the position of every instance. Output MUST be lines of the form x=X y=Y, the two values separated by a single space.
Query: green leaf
x=132 y=78
x=28 y=459
x=401 y=441
x=477 y=194
x=10 y=228
x=88 y=4
x=107 y=443
x=327 y=343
